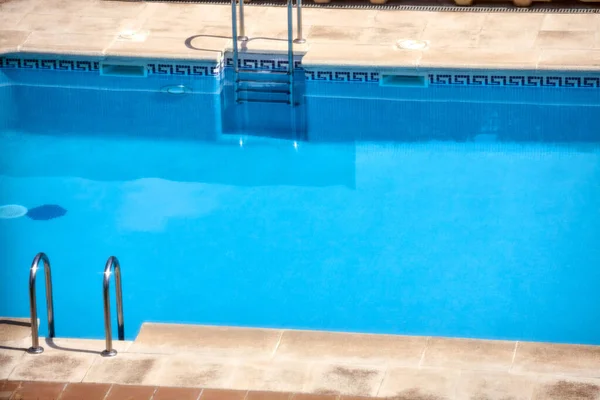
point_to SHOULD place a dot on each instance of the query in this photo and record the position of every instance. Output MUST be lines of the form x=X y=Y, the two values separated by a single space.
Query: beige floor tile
x=101 y=25
x=10 y=20
x=389 y=36
x=570 y=59
x=66 y=43
x=555 y=388
x=60 y=7
x=566 y=39
x=557 y=359
x=280 y=376
x=326 y=34
x=186 y=370
x=479 y=58
x=269 y=46
x=343 y=55
x=494 y=386
x=125 y=368
x=93 y=346
x=402 y=19
x=571 y=22
x=439 y=38
x=333 y=17
x=17 y=6
x=469 y=354
x=186 y=26
x=45 y=23
x=216 y=30
x=510 y=22
x=202 y=49
x=112 y=9
x=14 y=329
x=456 y=21
x=499 y=39
x=301 y=345
x=413 y=383
x=345 y=379
x=10 y=41
x=213 y=340
x=9 y=359
x=53 y=366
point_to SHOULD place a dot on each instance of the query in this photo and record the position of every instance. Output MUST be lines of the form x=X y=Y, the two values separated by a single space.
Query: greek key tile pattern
x=50 y=64
x=342 y=76
x=262 y=63
x=515 y=80
x=184 y=69
x=280 y=64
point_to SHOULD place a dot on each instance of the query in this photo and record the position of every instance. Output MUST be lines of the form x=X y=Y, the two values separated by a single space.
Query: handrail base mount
x=108 y=353
x=35 y=350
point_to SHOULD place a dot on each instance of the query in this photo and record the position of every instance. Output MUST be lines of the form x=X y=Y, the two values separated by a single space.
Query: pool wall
x=442 y=105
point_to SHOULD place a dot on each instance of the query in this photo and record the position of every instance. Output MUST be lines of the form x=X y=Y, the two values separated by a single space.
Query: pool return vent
x=403 y=80
x=124 y=70
x=111 y=265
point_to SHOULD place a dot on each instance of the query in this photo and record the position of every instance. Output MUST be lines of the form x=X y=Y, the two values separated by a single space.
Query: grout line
x=153 y=393
x=200 y=394
x=512 y=363
x=385 y=375
x=423 y=354
x=88 y=370
x=62 y=391
x=108 y=391
x=246 y=395
x=277 y=344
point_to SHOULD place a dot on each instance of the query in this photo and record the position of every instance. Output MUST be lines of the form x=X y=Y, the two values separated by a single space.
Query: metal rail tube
x=35 y=342
x=112 y=263
x=299 y=39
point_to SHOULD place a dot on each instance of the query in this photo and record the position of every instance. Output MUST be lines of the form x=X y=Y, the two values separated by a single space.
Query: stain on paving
x=415 y=394
x=565 y=390
x=61 y=366
x=345 y=380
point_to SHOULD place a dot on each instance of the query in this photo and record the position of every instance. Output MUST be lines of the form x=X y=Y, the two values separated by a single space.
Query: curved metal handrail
x=112 y=263
x=35 y=343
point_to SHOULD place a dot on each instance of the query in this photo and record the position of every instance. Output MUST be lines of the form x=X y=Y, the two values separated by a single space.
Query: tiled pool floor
x=311 y=362
x=335 y=36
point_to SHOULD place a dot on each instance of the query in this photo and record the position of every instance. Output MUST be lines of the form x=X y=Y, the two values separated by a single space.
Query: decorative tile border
x=462 y=79
x=50 y=64
x=514 y=80
x=278 y=63
x=343 y=76
x=184 y=69
x=275 y=64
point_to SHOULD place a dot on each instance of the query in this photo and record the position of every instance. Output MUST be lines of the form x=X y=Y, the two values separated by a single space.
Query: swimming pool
x=465 y=204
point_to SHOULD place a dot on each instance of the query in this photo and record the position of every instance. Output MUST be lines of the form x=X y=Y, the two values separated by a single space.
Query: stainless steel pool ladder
x=112 y=264
x=35 y=341
x=264 y=85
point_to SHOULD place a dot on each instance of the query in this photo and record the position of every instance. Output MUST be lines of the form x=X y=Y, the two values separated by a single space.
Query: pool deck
x=533 y=41
x=309 y=362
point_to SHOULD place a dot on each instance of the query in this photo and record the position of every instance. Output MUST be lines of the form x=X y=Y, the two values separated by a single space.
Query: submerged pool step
x=241 y=100
x=264 y=90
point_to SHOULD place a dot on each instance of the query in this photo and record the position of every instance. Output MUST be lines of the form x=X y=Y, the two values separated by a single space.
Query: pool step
x=263 y=86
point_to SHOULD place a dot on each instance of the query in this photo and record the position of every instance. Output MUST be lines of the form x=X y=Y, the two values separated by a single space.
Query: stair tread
x=263 y=90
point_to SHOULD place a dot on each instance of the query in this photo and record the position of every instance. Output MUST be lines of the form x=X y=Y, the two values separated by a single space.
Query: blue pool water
x=451 y=211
